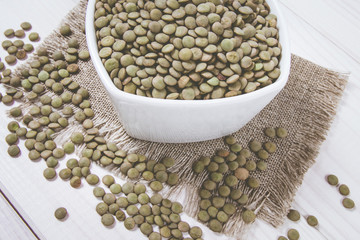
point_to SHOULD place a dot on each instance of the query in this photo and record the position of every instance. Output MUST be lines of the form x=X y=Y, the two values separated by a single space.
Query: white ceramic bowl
x=180 y=121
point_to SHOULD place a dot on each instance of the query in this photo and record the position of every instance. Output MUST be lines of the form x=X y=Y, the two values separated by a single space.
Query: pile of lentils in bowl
x=188 y=49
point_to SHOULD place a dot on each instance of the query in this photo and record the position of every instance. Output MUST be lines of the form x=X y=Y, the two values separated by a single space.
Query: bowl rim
x=284 y=62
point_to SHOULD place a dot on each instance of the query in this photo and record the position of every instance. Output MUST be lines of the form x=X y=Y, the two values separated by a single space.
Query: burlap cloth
x=305 y=107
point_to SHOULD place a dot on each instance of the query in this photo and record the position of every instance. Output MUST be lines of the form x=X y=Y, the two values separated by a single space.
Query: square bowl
x=181 y=121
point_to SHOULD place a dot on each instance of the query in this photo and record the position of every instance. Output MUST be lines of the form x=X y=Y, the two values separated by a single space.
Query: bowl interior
x=113 y=90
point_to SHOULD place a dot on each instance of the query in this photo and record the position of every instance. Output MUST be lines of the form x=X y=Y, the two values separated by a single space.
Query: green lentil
x=195 y=232
x=7 y=99
x=113 y=208
x=18 y=43
x=215 y=225
x=203 y=216
x=107 y=219
x=183 y=226
x=270 y=147
x=28 y=47
x=293 y=215
x=102 y=208
x=231 y=180
x=262 y=154
x=115 y=188
x=348 y=203
x=10 y=59
x=108 y=180
x=243 y=199
x=145 y=210
x=13 y=150
x=250 y=165
x=21 y=132
x=212 y=211
x=248 y=216
x=222 y=217
x=65 y=174
x=69 y=147
x=26 y=26
x=60 y=213
x=51 y=162
x=230 y=140
x=312 y=221
x=120 y=215
x=255 y=146
x=236 y=148
x=332 y=180
x=109 y=198
x=132 y=210
x=75 y=182
x=129 y=223
x=261 y=165
x=65 y=30
x=156 y=199
x=84 y=55
x=19 y=33
x=128 y=188
x=13 y=126
x=281 y=132
x=293 y=234
x=6 y=44
x=50 y=145
x=139 y=219
x=11 y=138
x=154 y=236
x=344 y=190
x=9 y=33
x=33 y=36
x=49 y=173
x=209 y=185
x=270 y=132
x=92 y=179
x=122 y=202
x=156 y=186
x=85 y=171
x=77 y=138
x=143 y=198
x=58 y=153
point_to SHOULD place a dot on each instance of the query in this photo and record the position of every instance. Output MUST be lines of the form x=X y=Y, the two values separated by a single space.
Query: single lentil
x=312 y=221
x=293 y=234
x=60 y=213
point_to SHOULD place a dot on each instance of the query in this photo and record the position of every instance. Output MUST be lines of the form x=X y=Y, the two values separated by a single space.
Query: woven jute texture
x=305 y=107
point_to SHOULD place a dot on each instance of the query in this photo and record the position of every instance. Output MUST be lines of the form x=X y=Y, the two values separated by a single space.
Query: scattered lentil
x=332 y=180
x=293 y=234
x=312 y=221
x=293 y=215
x=348 y=203
x=344 y=190
x=60 y=213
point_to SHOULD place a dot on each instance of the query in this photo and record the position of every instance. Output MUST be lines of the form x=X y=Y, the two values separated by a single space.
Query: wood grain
x=325 y=32
x=12 y=226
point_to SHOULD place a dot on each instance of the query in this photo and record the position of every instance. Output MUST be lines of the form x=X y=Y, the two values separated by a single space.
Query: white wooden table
x=325 y=32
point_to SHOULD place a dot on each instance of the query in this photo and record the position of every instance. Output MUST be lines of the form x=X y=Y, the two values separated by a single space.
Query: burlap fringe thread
x=270 y=204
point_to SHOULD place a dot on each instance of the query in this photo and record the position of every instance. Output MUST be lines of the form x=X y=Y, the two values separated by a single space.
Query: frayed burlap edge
x=305 y=148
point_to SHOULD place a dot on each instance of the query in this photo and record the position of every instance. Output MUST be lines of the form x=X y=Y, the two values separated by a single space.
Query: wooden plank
x=39 y=198
x=12 y=225
x=337 y=20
